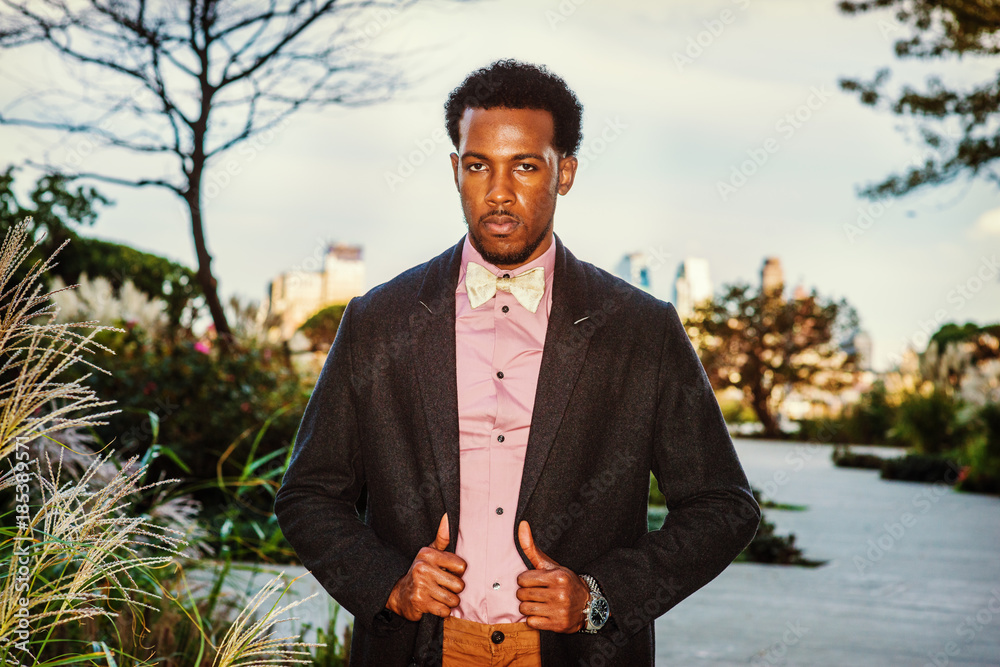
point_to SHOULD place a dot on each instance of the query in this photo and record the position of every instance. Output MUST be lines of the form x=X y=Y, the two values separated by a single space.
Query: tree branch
x=134 y=183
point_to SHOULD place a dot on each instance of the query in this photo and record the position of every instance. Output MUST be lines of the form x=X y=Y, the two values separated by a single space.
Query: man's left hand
x=552 y=596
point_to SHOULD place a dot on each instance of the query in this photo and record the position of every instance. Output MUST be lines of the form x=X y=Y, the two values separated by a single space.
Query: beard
x=513 y=257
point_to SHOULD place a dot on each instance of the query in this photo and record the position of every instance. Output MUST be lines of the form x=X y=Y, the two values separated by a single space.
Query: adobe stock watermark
x=407 y=164
x=22 y=547
x=221 y=177
x=590 y=493
x=596 y=147
x=962 y=293
x=796 y=459
x=786 y=127
x=967 y=630
x=381 y=17
x=661 y=598
x=87 y=143
x=696 y=45
x=777 y=651
x=562 y=12
x=867 y=216
x=892 y=533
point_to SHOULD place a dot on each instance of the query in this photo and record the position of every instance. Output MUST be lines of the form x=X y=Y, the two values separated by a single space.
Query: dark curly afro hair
x=515 y=85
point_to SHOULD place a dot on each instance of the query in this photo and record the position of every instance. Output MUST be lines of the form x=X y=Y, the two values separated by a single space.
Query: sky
x=666 y=120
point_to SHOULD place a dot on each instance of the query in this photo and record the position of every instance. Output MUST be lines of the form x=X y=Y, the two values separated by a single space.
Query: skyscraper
x=692 y=285
x=634 y=268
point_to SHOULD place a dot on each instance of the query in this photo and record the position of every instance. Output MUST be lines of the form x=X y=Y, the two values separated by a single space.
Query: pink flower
x=202 y=347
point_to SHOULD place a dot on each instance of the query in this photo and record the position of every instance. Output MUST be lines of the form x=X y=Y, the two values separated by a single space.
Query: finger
x=533 y=609
x=534 y=554
x=446 y=561
x=533 y=594
x=541 y=623
x=536 y=579
x=449 y=581
x=443 y=536
x=440 y=595
x=439 y=609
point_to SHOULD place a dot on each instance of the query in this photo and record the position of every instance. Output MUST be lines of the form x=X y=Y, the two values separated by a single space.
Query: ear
x=567 y=173
x=454 y=168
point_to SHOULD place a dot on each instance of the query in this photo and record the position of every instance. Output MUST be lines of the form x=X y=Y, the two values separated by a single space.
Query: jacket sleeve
x=712 y=515
x=315 y=505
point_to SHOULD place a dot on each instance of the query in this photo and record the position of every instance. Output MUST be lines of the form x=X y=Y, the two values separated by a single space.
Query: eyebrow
x=519 y=156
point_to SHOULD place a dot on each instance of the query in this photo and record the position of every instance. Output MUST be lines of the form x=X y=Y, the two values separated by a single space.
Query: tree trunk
x=763 y=410
x=205 y=278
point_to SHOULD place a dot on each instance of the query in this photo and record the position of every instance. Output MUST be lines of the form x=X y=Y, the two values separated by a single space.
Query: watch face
x=599 y=612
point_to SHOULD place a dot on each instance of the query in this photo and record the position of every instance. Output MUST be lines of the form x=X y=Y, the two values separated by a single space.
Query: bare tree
x=189 y=81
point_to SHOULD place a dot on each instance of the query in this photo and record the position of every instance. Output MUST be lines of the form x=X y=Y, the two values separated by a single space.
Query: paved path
x=913 y=575
x=912 y=578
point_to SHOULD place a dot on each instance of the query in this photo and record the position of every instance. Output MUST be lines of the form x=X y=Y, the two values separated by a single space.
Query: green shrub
x=321 y=328
x=768 y=547
x=983 y=453
x=843 y=457
x=932 y=424
x=920 y=468
x=737 y=412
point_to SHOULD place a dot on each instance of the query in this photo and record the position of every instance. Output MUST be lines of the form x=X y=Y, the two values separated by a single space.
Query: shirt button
x=497 y=637
x=499 y=510
x=496 y=585
x=505 y=308
x=500 y=374
x=500 y=438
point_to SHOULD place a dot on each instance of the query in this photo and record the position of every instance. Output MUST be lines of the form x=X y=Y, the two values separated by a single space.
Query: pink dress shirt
x=498 y=350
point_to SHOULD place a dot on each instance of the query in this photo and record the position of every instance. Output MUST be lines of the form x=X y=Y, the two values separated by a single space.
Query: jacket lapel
x=432 y=329
x=565 y=348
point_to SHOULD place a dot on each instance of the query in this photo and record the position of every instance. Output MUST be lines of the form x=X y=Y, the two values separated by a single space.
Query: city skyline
x=673 y=161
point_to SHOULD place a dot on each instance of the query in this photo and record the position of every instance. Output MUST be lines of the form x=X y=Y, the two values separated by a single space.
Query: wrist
x=392 y=604
x=597 y=612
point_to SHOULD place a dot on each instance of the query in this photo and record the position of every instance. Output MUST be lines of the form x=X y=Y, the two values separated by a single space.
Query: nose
x=501 y=191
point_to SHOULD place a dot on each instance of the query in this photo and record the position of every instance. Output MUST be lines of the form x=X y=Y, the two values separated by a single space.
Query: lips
x=500 y=224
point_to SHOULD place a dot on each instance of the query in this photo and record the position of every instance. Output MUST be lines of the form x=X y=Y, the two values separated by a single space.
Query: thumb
x=539 y=560
x=443 y=536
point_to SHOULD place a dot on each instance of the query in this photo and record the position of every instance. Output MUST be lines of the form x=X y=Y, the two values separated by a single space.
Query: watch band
x=595 y=588
x=596 y=597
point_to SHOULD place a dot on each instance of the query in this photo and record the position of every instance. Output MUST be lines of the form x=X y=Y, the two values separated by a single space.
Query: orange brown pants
x=471 y=644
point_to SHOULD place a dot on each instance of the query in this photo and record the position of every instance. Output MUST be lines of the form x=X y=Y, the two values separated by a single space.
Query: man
x=502 y=406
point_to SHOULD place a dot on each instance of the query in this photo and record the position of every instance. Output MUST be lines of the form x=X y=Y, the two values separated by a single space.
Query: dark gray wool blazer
x=621 y=392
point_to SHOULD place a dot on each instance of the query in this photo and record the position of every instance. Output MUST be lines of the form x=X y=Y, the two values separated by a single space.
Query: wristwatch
x=597 y=609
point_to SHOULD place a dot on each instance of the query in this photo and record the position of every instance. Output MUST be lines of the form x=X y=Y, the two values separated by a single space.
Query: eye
x=475 y=166
x=526 y=166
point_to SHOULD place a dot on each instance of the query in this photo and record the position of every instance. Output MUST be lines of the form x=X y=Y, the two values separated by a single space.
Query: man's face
x=508 y=174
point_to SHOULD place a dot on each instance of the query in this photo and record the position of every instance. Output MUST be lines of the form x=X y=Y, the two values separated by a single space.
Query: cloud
x=988 y=224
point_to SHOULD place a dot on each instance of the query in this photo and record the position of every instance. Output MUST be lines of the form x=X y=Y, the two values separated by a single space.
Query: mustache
x=497 y=213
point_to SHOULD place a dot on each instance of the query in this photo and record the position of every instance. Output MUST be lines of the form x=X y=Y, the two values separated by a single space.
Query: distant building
x=634 y=268
x=297 y=295
x=772 y=277
x=861 y=343
x=692 y=285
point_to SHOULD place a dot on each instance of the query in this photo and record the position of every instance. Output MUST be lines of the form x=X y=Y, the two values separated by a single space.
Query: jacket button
x=496 y=637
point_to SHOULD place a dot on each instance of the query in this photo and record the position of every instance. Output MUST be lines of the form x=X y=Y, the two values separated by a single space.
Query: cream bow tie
x=482 y=285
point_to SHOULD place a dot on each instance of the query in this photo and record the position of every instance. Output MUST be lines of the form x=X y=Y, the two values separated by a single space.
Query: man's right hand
x=432 y=583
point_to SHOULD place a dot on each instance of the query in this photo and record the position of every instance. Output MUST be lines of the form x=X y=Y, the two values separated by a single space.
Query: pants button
x=496 y=637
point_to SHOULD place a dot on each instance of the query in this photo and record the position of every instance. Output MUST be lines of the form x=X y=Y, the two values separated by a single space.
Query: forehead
x=503 y=130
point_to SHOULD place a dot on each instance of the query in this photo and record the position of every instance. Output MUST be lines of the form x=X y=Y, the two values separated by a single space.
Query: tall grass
x=80 y=565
